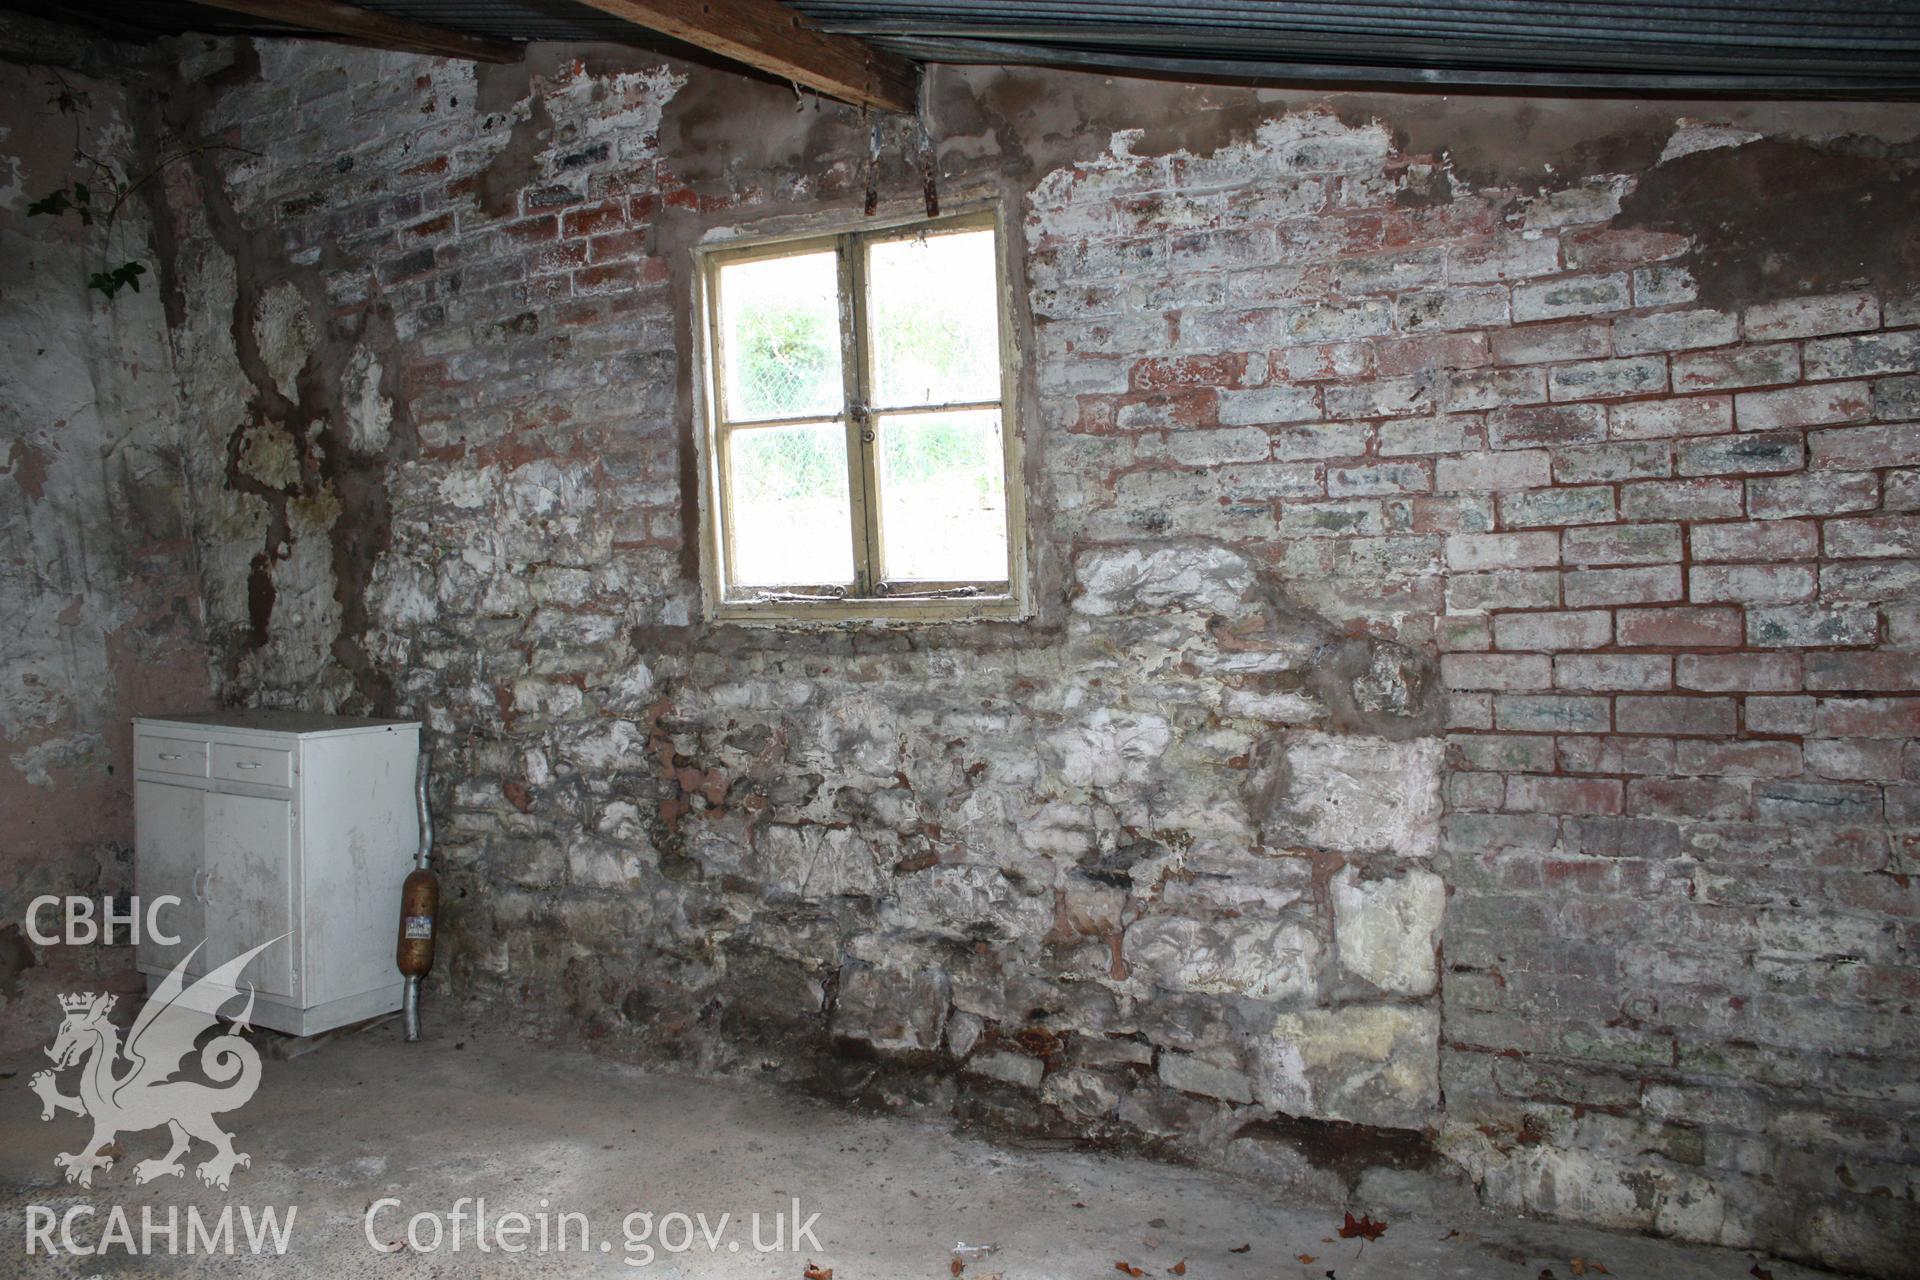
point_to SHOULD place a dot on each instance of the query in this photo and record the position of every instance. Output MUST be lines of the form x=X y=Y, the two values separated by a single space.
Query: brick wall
x=1470 y=695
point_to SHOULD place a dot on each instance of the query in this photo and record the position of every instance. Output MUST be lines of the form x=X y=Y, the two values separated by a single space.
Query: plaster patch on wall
x=37 y=762
x=369 y=414
x=285 y=335
x=1700 y=135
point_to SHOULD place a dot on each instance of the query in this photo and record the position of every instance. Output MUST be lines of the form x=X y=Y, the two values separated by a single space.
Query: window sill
x=877 y=610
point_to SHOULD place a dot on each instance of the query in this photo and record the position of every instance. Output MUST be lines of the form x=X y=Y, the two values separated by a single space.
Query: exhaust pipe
x=419 y=909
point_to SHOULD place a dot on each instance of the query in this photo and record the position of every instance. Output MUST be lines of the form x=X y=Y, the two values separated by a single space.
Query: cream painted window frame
x=867 y=599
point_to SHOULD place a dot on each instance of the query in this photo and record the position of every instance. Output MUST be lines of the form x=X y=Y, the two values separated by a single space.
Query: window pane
x=780 y=337
x=791 y=519
x=943 y=500
x=935 y=318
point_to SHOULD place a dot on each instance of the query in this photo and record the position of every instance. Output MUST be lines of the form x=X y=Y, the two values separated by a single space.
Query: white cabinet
x=279 y=825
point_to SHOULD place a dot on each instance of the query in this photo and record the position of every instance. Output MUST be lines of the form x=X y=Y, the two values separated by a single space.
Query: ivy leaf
x=56 y=203
x=1362 y=1227
x=126 y=275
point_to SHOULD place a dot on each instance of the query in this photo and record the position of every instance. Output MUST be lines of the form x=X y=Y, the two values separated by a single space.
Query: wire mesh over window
x=780 y=326
x=859 y=430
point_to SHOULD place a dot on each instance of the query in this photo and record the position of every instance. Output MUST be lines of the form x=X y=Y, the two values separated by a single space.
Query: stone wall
x=1468 y=723
x=99 y=598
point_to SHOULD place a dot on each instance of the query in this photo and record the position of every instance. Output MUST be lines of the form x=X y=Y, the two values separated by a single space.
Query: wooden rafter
x=768 y=36
x=368 y=27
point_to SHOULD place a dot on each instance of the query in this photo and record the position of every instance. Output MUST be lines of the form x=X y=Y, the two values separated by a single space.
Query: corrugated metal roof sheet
x=1841 y=48
x=1824 y=46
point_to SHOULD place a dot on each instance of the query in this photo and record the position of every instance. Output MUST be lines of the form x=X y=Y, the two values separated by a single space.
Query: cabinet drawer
x=171 y=755
x=267 y=766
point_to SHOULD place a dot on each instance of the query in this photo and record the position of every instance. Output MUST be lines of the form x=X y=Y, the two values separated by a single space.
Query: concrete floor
x=471 y=1113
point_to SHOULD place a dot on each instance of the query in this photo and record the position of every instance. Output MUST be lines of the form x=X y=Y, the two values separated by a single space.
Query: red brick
x=1690 y=798
x=611 y=279
x=1834 y=672
x=1750 y=583
x=1813 y=317
x=1803 y=406
x=1535 y=344
x=1738 y=672
x=430 y=227
x=1870 y=717
x=1813 y=493
x=1521 y=469
x=1579 y=876
x=1495 y=671
x=1675 y=714
x=1425 y=354
x=1708 y=499
x=1552 y=632
x=1167 y=372
x=1895 y=536
x=1679 y=627
x=1619 y=247
x=551 y=258
x=1532 y=793
x=593 y=220
x=1474 y=551
x=617 y=245
x=1862 y=448
x=531 y=230
x=1546 y=425
x=1609 y=753
x=1662 y=419
x=1646 y=585
x=1738 y=367
x=1613 y=671
x=1740 y=759
x=1756 y=540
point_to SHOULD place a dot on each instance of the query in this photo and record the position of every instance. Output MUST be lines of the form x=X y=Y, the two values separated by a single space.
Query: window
x=860 y=449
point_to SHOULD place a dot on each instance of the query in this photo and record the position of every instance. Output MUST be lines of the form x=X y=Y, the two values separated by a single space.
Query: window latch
x=892 y=592
x=800 y=597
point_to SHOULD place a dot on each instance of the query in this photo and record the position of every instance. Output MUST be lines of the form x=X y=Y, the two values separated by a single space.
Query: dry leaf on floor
x=957 y=1266
x=1760 y=1273
x=1128 y=1268
x=1362 y=1228
x=1178 y=1269
x=1304 y=1259
x=1245 y=1248
x=816 y=1273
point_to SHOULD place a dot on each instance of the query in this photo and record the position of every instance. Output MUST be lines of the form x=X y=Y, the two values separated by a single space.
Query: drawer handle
x=169 y=755
x=246 y=764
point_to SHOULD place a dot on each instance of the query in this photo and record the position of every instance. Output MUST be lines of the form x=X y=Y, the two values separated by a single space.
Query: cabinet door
x=249 y=887
x=169 y=848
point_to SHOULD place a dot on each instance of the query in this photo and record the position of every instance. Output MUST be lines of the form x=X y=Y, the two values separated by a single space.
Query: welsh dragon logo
x=130 y=1087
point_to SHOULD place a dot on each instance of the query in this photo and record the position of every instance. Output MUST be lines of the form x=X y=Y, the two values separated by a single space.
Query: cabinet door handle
x=246 y=764
x=169 y=755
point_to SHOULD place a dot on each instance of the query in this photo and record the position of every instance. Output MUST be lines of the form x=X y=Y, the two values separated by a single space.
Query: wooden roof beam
x=378 y=29
x=770 y=37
